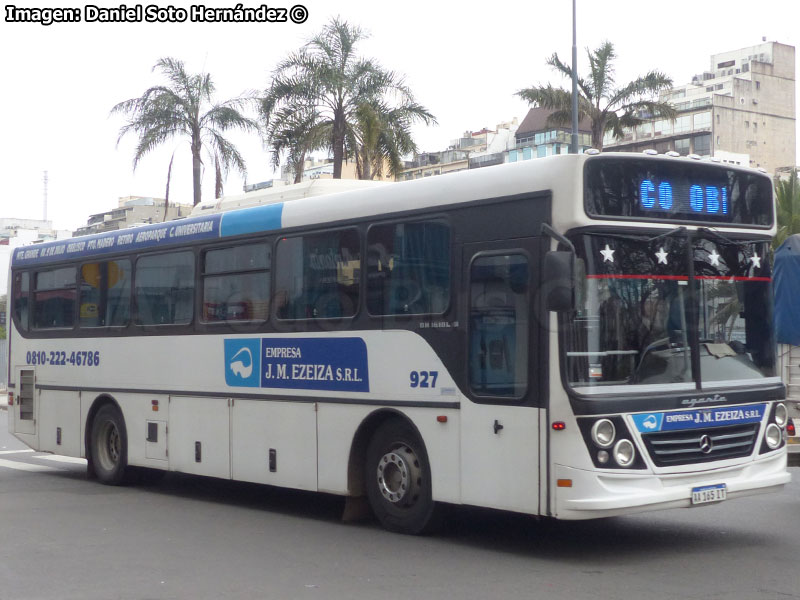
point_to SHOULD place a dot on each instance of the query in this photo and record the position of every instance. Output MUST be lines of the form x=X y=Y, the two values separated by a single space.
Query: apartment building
x=134 y=210
x=740 y=111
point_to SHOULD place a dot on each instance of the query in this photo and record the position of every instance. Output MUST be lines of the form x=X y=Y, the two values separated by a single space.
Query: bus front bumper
x=606 y=494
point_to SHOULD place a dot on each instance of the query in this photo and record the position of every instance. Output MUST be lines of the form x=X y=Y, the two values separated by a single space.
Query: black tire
x=109 y=446
x=398 y=479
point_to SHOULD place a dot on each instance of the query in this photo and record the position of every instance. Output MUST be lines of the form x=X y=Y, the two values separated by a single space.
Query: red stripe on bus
x=677 y=277
x=626 y=276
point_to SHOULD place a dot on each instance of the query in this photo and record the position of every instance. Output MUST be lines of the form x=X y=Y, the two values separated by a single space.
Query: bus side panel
x=199 y=436
x=60 y=422
x=500 y=457
x=274 y=443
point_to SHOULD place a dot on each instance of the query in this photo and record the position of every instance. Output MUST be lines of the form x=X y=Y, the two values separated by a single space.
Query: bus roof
x=283 y=193
x=322 y=201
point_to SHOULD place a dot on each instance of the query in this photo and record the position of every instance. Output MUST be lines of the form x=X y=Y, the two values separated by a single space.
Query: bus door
x=500 y=421
x=24 y=414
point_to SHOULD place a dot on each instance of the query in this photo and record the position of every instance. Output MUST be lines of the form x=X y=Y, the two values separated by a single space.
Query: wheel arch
x=99 y=402
x=358 y=449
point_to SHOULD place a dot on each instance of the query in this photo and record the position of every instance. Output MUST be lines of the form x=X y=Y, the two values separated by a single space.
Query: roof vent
x=694 y=156
x=672 y=153
x=650 y=152
x=592 y=151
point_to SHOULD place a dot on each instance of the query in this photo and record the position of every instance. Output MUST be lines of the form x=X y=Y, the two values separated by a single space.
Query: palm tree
x=787 y=196
x=296 y=132
x=608 y=108
x=326 y=78
x=381 y=137
x=185 y=107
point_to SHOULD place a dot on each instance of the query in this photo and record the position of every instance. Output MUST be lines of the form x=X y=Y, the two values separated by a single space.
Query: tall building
x=741 y=111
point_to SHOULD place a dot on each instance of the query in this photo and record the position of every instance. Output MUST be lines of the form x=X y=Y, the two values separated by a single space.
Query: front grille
x=670 y=448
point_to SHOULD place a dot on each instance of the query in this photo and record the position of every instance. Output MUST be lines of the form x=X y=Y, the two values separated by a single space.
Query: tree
x=381 y=136
x=185 y=108
x=608 y=108
x=787 y=196
x=296 y=132
x=326 y=79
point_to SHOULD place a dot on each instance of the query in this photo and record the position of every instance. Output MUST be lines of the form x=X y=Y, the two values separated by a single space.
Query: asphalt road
x=64 y=537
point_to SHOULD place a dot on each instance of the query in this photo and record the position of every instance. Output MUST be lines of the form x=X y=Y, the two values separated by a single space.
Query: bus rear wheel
x=398 y=477
x=109 y=445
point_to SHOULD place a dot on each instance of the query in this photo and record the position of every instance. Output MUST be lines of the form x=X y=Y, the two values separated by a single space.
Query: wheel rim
x=400 y=476
x=109 y=448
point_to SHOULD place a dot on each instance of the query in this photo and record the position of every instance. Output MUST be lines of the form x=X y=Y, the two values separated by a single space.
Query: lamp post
x=573 y=149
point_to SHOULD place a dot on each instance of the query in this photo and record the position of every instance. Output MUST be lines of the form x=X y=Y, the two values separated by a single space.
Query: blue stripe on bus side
x=252 y=220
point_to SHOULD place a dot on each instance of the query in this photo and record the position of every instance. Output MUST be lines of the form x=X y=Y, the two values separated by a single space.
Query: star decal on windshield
x=714 y=258
x=756 y=261
x=662 y=256
x=608 y=254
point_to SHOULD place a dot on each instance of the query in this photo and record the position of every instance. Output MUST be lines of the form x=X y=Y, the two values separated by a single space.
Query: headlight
x=603 y=433
x=774 y=436
x=624 y=453
x=780 y=415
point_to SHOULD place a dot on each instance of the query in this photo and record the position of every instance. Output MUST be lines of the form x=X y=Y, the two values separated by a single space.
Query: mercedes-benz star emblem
x=705 y=444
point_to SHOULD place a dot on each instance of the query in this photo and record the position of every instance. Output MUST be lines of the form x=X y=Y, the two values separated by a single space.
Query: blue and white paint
x=329 y=364
x=219 y=225
x=696 y=419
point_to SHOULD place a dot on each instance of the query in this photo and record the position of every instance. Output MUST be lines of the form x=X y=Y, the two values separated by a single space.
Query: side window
x=105 y=295
x=408 y=268
x=22 y=289
x=236 y=283
x=54 y=298
x=498 y=326
x=164 y=289
x=317 y=275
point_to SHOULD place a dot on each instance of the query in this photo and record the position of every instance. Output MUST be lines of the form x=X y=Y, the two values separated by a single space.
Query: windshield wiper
x=721 y=238
x=669 y=233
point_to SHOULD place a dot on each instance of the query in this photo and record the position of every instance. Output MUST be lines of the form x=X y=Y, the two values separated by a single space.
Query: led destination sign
x=698 y=199
x=676 y=190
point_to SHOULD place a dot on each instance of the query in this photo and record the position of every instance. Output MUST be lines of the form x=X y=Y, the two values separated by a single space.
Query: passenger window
x=105 y=298
x=408 y=268
x=22 y=283
x=54 y=299
x=317 y=276
x=165 y=289
x=498 y=326
x=236 y=283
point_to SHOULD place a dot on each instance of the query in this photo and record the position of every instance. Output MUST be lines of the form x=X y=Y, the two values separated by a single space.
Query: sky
x=464 y=61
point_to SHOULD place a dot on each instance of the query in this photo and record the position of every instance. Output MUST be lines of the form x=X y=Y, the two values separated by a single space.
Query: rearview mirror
x=558 y=280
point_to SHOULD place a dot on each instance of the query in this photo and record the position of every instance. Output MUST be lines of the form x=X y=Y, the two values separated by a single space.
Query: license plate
x=709 y=493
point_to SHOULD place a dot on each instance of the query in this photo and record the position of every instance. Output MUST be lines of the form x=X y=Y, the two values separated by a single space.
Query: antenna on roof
x=44 y=208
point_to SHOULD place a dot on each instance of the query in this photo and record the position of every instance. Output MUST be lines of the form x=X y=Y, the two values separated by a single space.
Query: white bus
x=575 y=337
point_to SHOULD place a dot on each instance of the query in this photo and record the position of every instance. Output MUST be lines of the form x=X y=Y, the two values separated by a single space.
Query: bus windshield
x=637 y=317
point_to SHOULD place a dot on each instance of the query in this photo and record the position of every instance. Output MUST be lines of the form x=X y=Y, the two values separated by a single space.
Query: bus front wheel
x=398 y=479
x=109 y=445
